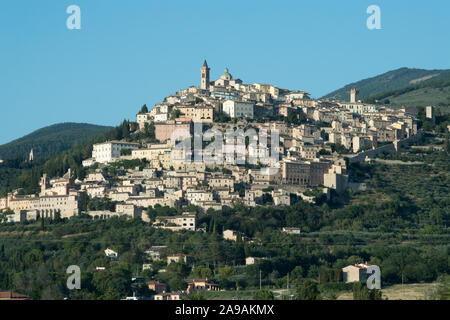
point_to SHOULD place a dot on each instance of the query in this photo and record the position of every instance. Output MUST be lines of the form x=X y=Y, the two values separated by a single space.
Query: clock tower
x=205 y=76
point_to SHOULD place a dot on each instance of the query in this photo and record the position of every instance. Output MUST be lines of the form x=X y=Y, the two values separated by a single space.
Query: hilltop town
x=317 y=140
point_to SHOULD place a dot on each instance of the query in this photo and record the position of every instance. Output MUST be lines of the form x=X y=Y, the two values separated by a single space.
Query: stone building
x=108 y=151
x=307 y=173
x=176 y=223
x=238 y=109
x=180 y=258
x=201 y=285
x=196 y=113
x=165 y=130
x=336 y=179
x=355 y=273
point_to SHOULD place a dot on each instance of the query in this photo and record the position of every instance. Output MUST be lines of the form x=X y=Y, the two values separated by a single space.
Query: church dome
x=226 y=75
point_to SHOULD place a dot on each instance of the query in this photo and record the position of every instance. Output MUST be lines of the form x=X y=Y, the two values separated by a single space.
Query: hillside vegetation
x=51 y=140
x=435 y=93
x=389 y=81
x=17 y=173
x=399 y=224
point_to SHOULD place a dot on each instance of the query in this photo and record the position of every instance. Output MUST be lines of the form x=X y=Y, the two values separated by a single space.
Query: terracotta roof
x=10 y=295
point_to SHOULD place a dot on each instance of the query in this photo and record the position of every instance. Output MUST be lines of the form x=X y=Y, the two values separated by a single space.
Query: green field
x=410 y=291
x=413 y=291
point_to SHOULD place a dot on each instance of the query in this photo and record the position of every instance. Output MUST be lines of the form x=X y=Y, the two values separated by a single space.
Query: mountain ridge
x=50 y=140
x=388 y=81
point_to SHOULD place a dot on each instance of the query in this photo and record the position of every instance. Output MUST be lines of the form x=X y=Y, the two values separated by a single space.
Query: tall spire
x=204 y=76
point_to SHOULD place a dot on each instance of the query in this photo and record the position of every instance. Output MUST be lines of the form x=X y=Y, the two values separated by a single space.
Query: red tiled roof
x=10 y=295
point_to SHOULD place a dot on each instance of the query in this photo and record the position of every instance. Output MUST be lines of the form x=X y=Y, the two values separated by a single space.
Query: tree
x=3 y=217
x=84 y=200
x=175 y=114
x=263 y=295
x=308 y=290
x=226 y=271
x=144 y=109
x=295 y=117
x=125 y=152
x=149 y=130
x=296 y=274
x=198 y=295
x=443 y=289
x=221 y=117
x=179 y=268
x=112 y=284
x=361 y=292
x=323 y=275
x=202 y=272
x=447 y=144
x=125 y=129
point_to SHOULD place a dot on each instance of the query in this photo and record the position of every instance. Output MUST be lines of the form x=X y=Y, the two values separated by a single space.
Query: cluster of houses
x=351 y=273
x=307 y=156
x=308 y=159
x=160 y=289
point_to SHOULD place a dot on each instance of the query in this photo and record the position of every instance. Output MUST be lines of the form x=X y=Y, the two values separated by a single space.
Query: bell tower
x=205 y=76
x=353 y=94
x=43 y=184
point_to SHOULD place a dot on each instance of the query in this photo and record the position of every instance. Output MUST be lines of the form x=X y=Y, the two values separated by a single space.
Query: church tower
x=43 y=184
x=205 y=76
x=353 y=94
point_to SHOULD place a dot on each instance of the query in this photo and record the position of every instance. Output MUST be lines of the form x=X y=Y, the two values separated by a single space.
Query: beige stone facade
x=164 y=131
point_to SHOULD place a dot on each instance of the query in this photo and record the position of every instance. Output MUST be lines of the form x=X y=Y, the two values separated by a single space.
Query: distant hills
x=402 y=78
x=51 y=140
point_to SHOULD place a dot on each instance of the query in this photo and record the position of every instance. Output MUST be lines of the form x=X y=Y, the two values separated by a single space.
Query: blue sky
x=128 y=53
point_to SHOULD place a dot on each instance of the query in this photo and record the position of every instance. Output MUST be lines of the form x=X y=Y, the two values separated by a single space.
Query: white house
x=238 y=109
x=107 y=151
x=291 y=230
x=88 y=162
x=355 y=273
x=161 y=117
x=252 y=260
x=230 y=235
x=111 y=253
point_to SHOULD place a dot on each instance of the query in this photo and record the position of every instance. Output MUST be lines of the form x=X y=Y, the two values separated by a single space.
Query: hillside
x=16 y=173
x=50 y=140
x=435 y=92
x=389 y=81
